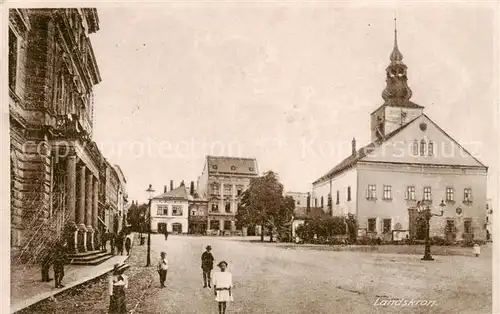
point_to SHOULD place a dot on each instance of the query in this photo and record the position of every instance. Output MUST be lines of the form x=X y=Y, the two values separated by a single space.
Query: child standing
x=477 y=250
x=118 y=283
x=162 y=268
x=223 y=282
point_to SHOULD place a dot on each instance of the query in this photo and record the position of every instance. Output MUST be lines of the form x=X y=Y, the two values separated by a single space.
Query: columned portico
x=82 y=229
x=95 y=213
x=88 y=212
x=71 y=203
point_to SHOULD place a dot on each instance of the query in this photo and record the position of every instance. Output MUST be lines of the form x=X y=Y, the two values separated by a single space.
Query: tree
x=263 y=203
x=137 y=217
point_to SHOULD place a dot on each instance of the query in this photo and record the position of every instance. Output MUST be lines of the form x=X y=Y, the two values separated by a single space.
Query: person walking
x=207 y=264
x=104 y=240
x=112 y=242
x=223 y=283
x=166 y=234
x=162 y=268
x=60 y=256
x=119 y=242
x=477 y=250
x=118 y=283
x=128 y=244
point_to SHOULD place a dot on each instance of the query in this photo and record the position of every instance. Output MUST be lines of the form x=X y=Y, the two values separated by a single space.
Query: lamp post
x=427 y=216
x=150 y=197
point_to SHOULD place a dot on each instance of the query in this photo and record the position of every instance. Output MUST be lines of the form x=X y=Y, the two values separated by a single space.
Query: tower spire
x=396 y=55
x=397 y=91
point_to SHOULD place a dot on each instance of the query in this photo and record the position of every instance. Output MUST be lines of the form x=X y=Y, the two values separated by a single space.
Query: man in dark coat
x=166 y=234
x=207 y=264
x=60 y=256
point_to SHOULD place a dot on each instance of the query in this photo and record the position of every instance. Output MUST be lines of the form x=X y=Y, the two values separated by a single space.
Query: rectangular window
x=450 y=194
x=239 y=190
x=410 y=193
x=372 y=224
x=228 y=189
x=214 y=224
x=348 y=193
x=430 y=149
x=371 y=192
x=387 y=192
x=13 y=51
x=162 y=210
x=468 y=195
x=227 y=207
x=387 y=225
x=215 y=189
x=427 y=193
x=415 y=148
x=215 y=207
x=176 y=210
x=422 y=148
x=227 y=225
x=338 y=198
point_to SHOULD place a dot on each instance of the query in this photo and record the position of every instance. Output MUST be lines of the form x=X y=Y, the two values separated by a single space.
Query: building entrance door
x=177 y=227
x=417 y=225
x=162 y=227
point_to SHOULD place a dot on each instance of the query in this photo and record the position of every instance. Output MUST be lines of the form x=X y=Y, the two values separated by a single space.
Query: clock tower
x=397 y=109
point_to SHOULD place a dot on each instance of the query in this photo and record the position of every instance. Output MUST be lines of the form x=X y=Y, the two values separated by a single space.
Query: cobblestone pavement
x=273 y=279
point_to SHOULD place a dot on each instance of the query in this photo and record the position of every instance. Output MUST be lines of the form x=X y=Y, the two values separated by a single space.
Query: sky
x=278 y=81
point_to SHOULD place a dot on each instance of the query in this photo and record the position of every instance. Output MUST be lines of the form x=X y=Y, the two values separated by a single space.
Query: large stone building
x=170 y=210
x=222 y=183
x=410 y=159
x=55 y=165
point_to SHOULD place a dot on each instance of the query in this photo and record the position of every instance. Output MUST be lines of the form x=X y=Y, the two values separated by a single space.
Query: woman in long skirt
x=118 y=283
x=223 y=283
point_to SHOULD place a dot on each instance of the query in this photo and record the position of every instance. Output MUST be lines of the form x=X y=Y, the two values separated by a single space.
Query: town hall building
x=410 y=159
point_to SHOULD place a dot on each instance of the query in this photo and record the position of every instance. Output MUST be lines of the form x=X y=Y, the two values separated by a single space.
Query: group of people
x=117 y=242
x=222 y=281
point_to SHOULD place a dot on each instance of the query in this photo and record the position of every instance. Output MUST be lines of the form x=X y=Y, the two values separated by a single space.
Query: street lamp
x=427 y=216
x=150 y=197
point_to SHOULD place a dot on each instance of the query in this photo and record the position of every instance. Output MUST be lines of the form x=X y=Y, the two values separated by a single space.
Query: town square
x=252 y=157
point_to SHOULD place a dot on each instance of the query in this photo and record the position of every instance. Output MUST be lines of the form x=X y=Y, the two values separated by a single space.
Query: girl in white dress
x=223 y=282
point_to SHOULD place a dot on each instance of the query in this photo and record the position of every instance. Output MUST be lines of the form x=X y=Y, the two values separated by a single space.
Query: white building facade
x=170 y=211
x=410 y=159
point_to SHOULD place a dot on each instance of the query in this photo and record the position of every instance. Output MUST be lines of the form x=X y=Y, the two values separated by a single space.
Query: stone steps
x=90 y=258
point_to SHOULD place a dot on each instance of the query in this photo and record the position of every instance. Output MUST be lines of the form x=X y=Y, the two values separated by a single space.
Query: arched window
x=415 y=147
x=322 y=201
x=430 y=149
x=422 y=148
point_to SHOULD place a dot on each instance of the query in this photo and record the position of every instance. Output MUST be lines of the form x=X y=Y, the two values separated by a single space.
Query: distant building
x=198 y=214
x=410 y=159
x=170 y=211
x=489 y=219
x=300 y=198
x=122 y=197
x=222 y=183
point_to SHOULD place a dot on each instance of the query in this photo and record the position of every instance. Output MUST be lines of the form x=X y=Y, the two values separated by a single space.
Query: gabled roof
x=179 y=193
x=300 y=212
x=362 y=152
x=232 y=165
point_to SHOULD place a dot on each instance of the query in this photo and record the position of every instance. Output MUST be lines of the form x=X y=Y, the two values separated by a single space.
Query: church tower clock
x=397 y=109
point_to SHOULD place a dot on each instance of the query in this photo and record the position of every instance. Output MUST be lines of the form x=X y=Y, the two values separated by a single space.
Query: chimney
x=171 y=185
x=191 y=189
x=165 y=189
x=354 y=151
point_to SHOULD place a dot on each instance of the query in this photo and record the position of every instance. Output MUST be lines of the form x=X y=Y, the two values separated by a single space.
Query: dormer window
x=233 y=168
x=251 y=169
x=214 y=167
